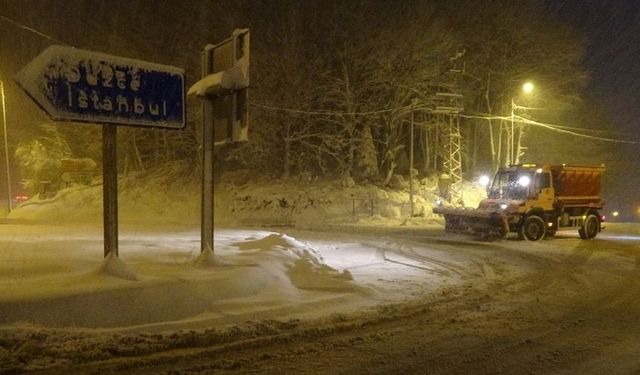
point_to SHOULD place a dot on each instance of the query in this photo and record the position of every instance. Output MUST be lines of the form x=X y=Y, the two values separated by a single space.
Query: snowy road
x=573 y=309
x=415 y=302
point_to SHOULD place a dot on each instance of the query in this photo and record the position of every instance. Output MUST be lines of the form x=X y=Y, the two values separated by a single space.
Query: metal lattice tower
x=454 y=162
x=448 y=108
x=451 y=149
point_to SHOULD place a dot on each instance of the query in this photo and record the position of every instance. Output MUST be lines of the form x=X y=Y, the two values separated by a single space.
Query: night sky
x=612 y=35
x=612 y=31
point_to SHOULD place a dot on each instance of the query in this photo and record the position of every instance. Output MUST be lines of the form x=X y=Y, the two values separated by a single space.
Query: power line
x=557 y=128
x=508 y=118
x=553 y=127
x=325 y=112
x=15 y=23
x=591 y=130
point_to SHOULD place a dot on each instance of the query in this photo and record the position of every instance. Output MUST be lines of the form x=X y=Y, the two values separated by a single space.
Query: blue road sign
x=71 y=84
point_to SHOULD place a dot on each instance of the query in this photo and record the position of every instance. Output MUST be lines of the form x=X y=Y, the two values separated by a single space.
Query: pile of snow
x=289 y=259
x=152 y=204
x=66 y=281
x=246 y=202
x=322 y=203
x=114 y=266
x=79 y=203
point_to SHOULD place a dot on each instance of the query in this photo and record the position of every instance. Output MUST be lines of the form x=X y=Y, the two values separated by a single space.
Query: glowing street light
x=527 y=88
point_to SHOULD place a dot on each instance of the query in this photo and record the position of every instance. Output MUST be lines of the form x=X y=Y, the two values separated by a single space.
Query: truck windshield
x=511 y=185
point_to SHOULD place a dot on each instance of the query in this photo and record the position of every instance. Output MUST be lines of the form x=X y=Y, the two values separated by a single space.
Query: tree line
x=334 y=84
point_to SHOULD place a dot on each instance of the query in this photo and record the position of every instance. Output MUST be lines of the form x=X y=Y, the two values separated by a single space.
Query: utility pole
x=411 y=163
x=527 y=88
x=513 y=139
x=6 y=145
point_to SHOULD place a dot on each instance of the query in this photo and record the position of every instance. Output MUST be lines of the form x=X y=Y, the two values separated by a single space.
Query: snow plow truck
x=534 y=201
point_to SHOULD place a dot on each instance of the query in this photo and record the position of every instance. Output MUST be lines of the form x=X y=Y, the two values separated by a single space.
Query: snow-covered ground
x=352 y=259
x=53 y=275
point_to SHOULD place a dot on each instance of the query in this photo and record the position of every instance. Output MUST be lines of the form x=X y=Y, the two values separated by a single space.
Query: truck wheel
x=533 y=229
x=590 y=227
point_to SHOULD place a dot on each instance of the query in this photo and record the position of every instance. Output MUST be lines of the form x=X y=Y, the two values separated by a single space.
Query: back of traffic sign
x=71 y=84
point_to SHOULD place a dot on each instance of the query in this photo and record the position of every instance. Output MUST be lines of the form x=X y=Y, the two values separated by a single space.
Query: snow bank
x=318 y=204
x=79 y=203
x=65 y=282
x=287 y=258
x=241 y=201
x=154 y=204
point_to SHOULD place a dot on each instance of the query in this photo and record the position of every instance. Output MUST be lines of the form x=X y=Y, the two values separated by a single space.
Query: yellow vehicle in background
x=534 y=201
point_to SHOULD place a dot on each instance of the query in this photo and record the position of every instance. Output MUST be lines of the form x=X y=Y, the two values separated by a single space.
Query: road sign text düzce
x=77 y=85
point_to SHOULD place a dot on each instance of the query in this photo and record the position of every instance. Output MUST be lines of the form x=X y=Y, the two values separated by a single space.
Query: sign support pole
x=206 y=234
x=110 y=189
x=6 y=147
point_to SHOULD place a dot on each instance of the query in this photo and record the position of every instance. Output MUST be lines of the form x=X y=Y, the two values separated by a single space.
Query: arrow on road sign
x=71 y=84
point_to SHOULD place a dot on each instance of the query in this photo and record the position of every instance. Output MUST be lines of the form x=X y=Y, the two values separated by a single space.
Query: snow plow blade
x=489 y=225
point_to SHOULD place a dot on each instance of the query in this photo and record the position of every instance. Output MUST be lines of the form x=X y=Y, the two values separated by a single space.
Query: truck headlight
x=524 y=181
x=484 y=180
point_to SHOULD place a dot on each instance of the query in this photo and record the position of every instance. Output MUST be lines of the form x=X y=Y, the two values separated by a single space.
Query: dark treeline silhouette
x=333 y=83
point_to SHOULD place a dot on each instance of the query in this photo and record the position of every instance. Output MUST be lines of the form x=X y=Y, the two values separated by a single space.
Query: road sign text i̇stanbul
x=78 y=85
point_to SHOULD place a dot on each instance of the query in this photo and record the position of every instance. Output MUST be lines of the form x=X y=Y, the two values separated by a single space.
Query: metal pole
x=6 y=145
x=372 y=201
x=206 y=226
x=110 y=189
x=353 y=205
x=411 y=167
x=513 y=146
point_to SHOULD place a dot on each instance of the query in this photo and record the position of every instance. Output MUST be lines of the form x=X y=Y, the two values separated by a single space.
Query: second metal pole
x=110 y=189
x=206 y=229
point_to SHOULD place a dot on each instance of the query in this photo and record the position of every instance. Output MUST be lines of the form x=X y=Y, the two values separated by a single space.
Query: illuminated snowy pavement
x=56 y=276
x=63 y=306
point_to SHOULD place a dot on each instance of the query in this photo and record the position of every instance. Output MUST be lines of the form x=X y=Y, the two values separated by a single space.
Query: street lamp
x=527 y=88
x=6 y=144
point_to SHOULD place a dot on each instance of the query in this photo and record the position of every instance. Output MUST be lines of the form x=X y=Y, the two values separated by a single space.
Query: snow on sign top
x=71 y=84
